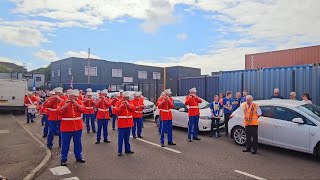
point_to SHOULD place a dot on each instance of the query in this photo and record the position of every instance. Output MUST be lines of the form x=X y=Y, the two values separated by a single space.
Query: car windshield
x=312 y=110
x=205 y=104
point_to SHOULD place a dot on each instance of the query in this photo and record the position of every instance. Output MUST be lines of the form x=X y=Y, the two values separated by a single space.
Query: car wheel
x=239 y=135
x=157 y=119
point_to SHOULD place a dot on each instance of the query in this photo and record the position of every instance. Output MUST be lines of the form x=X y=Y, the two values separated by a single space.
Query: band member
x=71 y=126
x=165 y=106
x=124 y=109
x=157 y=105
x=89 y=114
x=192 y=102
x=30 y=101
x=118 y=97
x=103 y=116
x=137 y=114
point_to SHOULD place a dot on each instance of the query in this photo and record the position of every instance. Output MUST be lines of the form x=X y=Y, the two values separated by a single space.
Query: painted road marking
x=4 y=131
x=72 y=178
x=249 y=175
x=60 y=170
x=157 y=145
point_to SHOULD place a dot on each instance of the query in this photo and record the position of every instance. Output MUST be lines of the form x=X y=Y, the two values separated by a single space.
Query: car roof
x=280 y=102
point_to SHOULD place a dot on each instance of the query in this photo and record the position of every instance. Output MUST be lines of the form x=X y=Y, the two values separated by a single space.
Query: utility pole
x=89 y=68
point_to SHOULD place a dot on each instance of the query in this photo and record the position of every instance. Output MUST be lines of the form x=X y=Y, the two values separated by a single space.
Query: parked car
x=180 y=114
x=287 y=124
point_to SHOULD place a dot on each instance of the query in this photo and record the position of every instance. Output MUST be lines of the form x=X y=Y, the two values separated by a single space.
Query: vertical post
x=165 y=78
x=156 y=92
x=89 y=69
x=178 y=87
x=205 y=88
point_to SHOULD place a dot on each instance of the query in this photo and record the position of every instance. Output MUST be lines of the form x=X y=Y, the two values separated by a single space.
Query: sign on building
x=127 y=79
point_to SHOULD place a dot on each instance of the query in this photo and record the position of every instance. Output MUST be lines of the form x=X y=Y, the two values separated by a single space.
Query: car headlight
x=205 y=117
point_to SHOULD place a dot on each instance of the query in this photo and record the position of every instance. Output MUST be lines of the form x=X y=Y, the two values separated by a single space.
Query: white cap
x=105 y=91
x=137 y=94
x=121 y=90
x=58 y=90
x=98 y=91
x=89 y=90
x=52 y=92
x=73 y=92
x=118 y=94
x=167 y=91
x=193 y=90
x=30 y=93
x=126 y=94
x=89 y=93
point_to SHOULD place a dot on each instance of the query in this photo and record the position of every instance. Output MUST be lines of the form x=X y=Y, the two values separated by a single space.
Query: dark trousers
x=114 y=118
x=66 y=139
x=46 y=125
x=166 y=126
x=226 y=121
x=252 y=137
x=215 y=124
x=137 y=127
x=124 y=136
x=102 y=126
x=193 y=127
x=54 y=126
x=30 y=117
x=90 y=119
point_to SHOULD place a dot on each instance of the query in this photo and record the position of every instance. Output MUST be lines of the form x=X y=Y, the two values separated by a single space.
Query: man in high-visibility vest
x=165 y=105
x=137 y=114
x=124 y=109
x=88 y=113
x=192 y=102
x=103 y=116
x=252 y=112
x=71 y=126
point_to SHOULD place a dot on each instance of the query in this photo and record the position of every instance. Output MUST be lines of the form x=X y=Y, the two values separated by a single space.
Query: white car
x=180 y=114
x=287 y=124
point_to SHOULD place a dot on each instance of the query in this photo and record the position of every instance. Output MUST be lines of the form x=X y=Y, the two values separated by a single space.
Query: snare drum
x=32 y=109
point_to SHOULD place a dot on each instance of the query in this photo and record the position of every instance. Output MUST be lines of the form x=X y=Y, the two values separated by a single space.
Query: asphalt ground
x=210 y=158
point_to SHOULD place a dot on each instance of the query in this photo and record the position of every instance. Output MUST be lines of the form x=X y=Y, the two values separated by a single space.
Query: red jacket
x=165 y=105
x=138 y=110
x=43 y=110
x=89 y=105
x=193 y=105
x=124 y=113
x=115 y=100
x=71 y=117
x=52 y=105
x=30 y=100
x=103 y=108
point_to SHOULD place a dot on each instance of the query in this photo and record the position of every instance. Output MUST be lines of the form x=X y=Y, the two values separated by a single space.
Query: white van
x=12 y=93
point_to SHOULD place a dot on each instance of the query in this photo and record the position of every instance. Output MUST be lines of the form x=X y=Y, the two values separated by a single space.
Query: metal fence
x=259 y=83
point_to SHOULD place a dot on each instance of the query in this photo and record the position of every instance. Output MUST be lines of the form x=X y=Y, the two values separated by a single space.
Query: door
x=289 y=134
x=179 y=118
x=266 y=125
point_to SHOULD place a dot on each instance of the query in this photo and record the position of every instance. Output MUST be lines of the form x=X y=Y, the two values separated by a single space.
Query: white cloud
x=182 y=36
x=46 y=55
x=80 y=54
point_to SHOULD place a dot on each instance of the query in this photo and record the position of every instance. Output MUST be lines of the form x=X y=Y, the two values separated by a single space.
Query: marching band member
x=165 y=105
x=30 y=100
x=192 y=102
x=137 y=114
x=124 y=109
x=118 y=97
x=44 y=112
x=103 y=116
x=54 y=119
x=88 y=113
x=71 y=126
x=157 y=105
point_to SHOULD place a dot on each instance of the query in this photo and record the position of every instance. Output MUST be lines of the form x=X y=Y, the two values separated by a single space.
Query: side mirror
x=298 y=120
x=182 y=110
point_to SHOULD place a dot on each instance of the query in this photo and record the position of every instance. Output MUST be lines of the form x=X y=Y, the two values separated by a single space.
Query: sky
x=213 y=35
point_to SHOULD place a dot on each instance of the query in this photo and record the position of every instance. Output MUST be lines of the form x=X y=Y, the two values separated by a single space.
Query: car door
x=266 y=125
x=179 y=118
x=289 y=134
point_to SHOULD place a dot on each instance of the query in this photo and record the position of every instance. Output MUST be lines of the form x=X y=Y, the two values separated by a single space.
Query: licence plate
x=3 y=101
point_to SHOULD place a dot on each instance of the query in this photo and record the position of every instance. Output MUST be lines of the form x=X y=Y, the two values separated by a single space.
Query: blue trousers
x=44 y=120
x=114 y=118
x=102 y=124
x=123 y=136
x=90 y=118
x=30 y=117
x=53 y=125
x=193 y=127
x=66 y=139
x=137 y=127
x=166 y=126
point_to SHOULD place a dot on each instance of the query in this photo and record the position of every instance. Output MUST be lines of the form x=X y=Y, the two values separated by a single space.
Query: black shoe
x=140 y=137
x=106 y=141
x=226 y=134
x=44 y=136
x=172 y=144
x=119 y=154
x=113 y=129
x=134 y=137
x=27 y=121
x=42 y=124
x=162 y=145
x=189 y=140
x=246 y=150
x=81 y=160
x=253 y=152
x=129 y=152
x=94 y=131
x=60 y=145
x=196 y=139
x=32 y=121
x=88 y=132
x=63 y=163
x=98 y=142
x=50 y=148
x=210 y=135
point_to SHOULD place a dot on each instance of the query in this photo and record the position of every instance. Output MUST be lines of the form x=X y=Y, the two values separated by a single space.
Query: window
x=267 y=111
x=113 y=88
x=58 y=73
x=286 y=114
x=70 y=72
x=156 y=75
x=142 y=75
x=116 y=72
x=93 y=71
x=38 y=79
x=52 y=74
x=178 y=104
x=128 y=79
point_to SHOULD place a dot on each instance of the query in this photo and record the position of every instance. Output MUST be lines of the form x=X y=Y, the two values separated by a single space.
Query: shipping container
x=289 y=57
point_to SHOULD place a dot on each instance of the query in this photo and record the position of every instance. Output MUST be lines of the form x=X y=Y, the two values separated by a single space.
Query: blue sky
x=212 y=35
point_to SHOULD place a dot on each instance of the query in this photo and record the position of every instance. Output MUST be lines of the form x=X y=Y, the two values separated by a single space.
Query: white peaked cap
x=105 y=91
x=52 y=92
x=89 y=90
x=58 y=89
x=121 y=90
x=89 y=93
x=98 y=91
x=137 y=93
x=73 y=92
x=167 y=91
x=126 y=94
x=29 y=92
x=193 y=90
x=117 y=94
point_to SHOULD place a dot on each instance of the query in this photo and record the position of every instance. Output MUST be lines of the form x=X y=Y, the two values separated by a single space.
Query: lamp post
x=89 y=68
